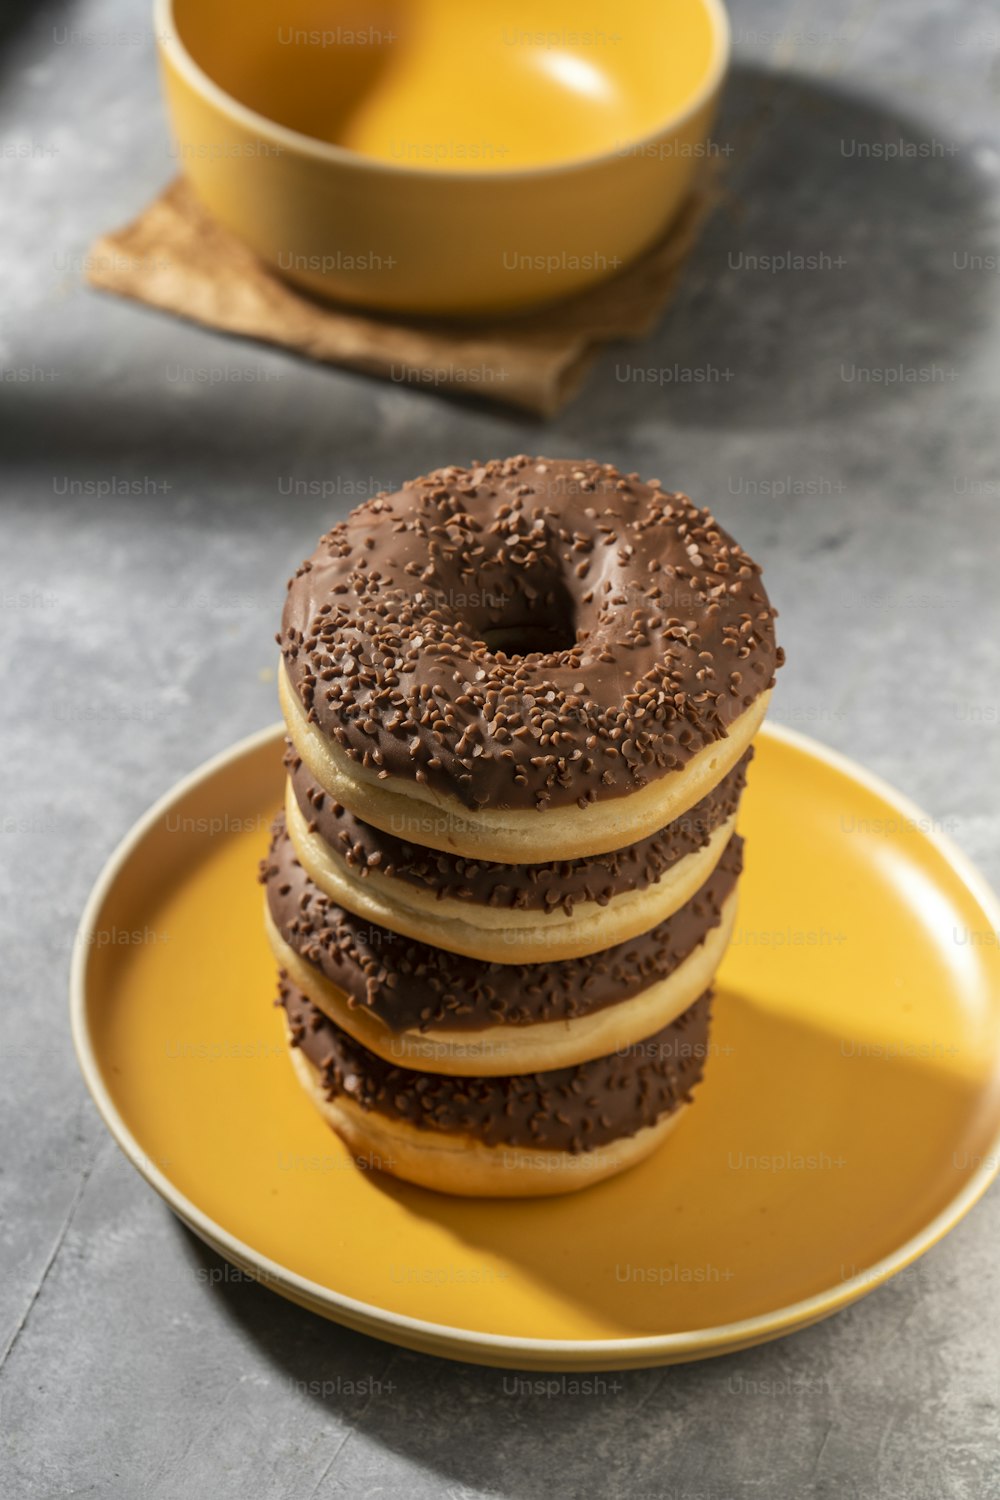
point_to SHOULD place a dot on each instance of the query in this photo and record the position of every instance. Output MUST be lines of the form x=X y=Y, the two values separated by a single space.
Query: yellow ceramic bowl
x=443 y=156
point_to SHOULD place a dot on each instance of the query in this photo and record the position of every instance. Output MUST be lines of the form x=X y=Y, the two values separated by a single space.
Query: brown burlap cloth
x=175 y=257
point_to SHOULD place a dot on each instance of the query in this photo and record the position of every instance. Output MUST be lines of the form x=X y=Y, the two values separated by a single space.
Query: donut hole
x=523 y=640
x=543 y=625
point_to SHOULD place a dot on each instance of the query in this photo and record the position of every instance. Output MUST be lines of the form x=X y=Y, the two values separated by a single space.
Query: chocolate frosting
x=555 y=886
x=568 y=1109
x=528 y=633
x=413 y=986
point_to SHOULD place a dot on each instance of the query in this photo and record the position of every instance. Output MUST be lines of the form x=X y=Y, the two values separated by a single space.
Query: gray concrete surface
x=135 y=630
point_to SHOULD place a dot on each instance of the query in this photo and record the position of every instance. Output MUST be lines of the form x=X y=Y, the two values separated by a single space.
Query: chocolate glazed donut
x=525 y=661
x=422 y=1007
x=509 y=913
x=557 y=886
x=519 y=1136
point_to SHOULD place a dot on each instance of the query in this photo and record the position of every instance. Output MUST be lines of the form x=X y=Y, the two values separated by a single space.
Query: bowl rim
x=172 y=49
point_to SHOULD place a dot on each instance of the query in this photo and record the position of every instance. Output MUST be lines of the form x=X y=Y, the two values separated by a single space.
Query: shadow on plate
x=803 y=1162
x=716 y=1224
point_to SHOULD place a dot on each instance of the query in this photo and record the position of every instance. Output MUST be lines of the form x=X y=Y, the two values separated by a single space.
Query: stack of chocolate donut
x=520 y=700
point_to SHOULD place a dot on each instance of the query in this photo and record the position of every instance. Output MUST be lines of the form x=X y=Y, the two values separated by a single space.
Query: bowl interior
x=459 y=84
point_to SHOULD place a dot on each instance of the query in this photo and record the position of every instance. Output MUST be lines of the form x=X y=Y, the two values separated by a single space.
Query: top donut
x=527 y=634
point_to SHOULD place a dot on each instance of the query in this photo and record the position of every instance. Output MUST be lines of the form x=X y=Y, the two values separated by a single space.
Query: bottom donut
x=524 y=1135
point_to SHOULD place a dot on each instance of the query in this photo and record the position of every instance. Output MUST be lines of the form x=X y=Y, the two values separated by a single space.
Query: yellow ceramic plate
x=849 y=1117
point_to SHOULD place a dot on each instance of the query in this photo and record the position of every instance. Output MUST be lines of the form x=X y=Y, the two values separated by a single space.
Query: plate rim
x=448 y=1340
